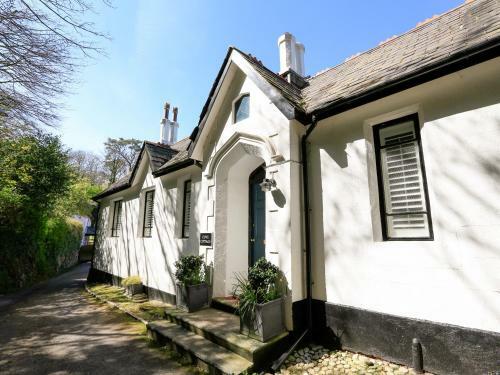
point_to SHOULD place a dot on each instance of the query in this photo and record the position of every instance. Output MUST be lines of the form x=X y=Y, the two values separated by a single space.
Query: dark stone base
x=98 y=276
x=446 y=348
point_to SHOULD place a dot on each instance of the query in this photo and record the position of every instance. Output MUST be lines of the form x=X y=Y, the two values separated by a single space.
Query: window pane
x=398 y=133
x=405 y=206
x=407 y=226
x=148 y=213
x=117 y=219
x=186 y=217
x=402 y=177
x=242 y=108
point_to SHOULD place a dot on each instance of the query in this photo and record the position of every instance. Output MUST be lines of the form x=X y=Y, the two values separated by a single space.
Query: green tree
x=78 y=199
x=120 y=157
x=35 y=173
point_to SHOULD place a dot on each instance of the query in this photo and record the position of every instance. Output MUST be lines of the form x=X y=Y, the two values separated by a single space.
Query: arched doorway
x=256 y=217
x=232 y=219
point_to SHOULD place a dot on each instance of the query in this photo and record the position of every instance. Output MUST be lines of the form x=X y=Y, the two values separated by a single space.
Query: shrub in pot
x=191 y=288
x=132 y=285
x=260 y=303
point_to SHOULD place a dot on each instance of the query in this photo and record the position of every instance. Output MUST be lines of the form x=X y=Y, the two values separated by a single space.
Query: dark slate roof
x=118 y=185
x=455 y=32
x=290 y=92
x=180 y=159
x=159 y=154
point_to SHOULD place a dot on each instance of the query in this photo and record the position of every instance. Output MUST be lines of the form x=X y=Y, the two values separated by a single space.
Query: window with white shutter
x=116 y=225
x=404 y=202
x=186 y=215
x=149 y=199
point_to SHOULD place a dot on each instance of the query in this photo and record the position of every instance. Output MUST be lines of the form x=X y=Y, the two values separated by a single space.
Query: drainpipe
x=307 y=224
x=95 y=238
x=307 y=334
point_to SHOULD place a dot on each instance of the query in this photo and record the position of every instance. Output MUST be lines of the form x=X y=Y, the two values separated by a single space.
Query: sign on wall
x=205 y=239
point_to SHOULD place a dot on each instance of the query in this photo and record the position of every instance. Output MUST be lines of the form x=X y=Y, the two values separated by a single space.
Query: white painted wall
x=455 y=278
x=225 y=180
x=231 y=152
x=151 y=258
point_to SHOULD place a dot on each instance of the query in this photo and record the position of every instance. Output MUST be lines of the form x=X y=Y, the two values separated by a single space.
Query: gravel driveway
x=58 y=329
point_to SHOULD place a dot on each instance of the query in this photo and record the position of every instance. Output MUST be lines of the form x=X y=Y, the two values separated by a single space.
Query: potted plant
x=260 y=304
x=132 y=285
x=191 y=288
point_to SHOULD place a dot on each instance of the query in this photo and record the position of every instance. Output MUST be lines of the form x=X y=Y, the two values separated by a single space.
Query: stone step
x=139 y=298
x=223 y=329
x=226 y=304
x=219 y=360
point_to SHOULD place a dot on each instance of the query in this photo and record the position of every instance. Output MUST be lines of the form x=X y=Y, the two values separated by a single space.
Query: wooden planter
x=267 y=321
x=133 y=289
x=191 y=298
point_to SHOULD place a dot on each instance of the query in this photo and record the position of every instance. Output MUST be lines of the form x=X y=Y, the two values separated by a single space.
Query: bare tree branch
x=42 y=44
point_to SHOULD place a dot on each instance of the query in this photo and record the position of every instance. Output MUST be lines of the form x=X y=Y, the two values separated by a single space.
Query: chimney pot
x=167 y=110
x=291 y=54
x=168 y=128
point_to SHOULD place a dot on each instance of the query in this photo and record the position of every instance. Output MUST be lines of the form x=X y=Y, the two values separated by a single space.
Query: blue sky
x=172 y=50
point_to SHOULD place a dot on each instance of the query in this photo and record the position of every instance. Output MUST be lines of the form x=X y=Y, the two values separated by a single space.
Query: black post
x=417 y=358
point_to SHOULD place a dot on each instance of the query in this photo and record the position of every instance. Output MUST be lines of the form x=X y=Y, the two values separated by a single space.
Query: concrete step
x=227 y=304
x=223 y=329
x=216 y=359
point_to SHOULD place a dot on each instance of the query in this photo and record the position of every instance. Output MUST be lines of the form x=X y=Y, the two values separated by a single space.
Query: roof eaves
x=174 y=167
x=456 y=62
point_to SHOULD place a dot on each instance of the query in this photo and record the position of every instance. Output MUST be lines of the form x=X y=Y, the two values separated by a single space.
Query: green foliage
x=190 y=270
x=265 y=283
x=35 y=243
x=78 y=199
x=34 y=174
x=132 y=280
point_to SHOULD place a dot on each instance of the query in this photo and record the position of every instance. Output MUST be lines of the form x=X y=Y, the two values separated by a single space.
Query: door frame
x=260 y=169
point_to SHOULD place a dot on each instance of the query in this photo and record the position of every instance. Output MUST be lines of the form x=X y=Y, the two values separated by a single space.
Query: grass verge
x=146 y=311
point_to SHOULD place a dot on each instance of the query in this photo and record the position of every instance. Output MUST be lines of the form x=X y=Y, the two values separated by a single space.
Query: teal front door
x=257 y=217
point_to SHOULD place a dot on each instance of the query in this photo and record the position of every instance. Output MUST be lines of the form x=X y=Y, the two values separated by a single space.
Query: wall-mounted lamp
x=268 y=184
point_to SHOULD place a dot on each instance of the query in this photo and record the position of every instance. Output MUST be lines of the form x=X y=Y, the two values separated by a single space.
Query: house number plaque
x=206 y=239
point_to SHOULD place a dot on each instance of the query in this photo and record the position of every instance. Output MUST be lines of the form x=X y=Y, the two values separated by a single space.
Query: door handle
x=252 y=239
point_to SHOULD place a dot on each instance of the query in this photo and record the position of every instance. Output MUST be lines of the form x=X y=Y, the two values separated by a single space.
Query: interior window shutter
x=186 y=220
x=117 y=219
x=403 y=182
x=148 y=213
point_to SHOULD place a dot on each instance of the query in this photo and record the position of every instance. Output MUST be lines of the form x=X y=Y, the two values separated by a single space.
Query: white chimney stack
x=291 y=54
x=168 y=129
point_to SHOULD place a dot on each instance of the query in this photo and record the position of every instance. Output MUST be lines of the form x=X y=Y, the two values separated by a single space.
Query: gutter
x=175 y=167
x=465 y=59
x=476 y=55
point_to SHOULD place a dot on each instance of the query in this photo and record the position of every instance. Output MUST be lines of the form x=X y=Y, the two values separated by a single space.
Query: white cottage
x=394 y=155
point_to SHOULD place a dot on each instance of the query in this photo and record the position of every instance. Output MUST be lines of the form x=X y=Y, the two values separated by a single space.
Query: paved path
x=58 y=329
